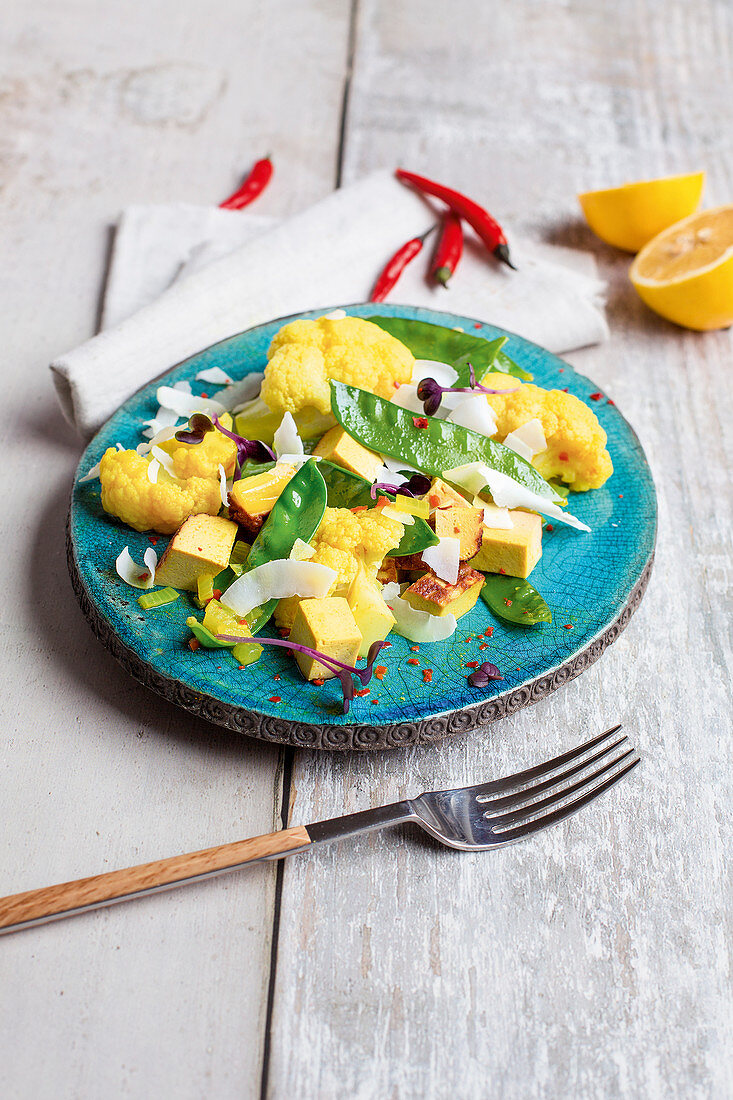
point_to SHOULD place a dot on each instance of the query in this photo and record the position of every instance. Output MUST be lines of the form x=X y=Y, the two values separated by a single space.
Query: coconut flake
x=406 y=397
x=508 y=493
x=133 y=574
x=498 y=519
x=94 y=472
x=184 y=387
x=392 y=512
x=335 y=315
x=286 y=440
x=278 y=580
x=164 y=418
x=444 y=559
x=165 y=461
x=475 y=413
x=528 y=439
x=390 y=590
x=420 y=626
x=302 y=551
x=443 y=373
x=215 y=375
x=161 y=436
x=238 y=394
x=186 y=404
x=223 y=487
x=395 y=465
x=153 y=471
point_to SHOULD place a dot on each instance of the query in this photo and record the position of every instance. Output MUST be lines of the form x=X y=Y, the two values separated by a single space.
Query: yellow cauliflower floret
x=202 y=459
x=576 y=442
x=344 y=541
x=128 y=494
x=304 y=355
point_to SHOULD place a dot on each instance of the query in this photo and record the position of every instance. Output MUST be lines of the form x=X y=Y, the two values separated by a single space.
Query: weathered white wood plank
x=98 y=108
x=593 y=960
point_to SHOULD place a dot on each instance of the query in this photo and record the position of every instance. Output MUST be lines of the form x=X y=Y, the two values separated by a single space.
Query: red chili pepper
x=448 y=250
x=396 y=265
x=254 y=184
x=487 y=228
x=427 y=675
x=419 y=422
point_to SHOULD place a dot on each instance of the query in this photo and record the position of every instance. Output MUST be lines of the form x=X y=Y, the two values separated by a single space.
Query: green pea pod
x=297 y=514
x=204 y=635
x=348 y=490
x=514 y=600
x=388 y=429
x=449 y=345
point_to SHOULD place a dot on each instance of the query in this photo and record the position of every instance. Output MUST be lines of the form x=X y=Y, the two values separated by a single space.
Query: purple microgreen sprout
x=253 y=449
x=198 y=426
x=417 y=486
x=482 y=676
x=431 y=392
x=342 y=671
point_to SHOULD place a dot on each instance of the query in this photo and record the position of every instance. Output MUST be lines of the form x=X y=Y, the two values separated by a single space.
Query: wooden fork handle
x=53 y=902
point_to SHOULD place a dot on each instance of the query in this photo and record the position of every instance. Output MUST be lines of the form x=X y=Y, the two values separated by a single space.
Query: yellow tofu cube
x=460 y=523
x=438 y=597
x=202 y=544
x=371 y=614
x=329 y=626
x=514 y=552
x=251 y=499
x=339 y=447
x=442 y=495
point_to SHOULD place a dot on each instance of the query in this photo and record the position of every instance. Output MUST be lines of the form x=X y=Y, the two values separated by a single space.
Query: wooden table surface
x=591 y=961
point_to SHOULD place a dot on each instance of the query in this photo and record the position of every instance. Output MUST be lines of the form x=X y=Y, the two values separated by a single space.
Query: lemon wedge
x=629 y=216
x=686 y=273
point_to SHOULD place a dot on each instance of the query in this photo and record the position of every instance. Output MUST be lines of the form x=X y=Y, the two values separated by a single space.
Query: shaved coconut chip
x=391 y=590
x=238 y=394
x=302 y=551
x=223 y=487
x=335 y=315
x=166 y=462
x=496 y=518
x=298 y=460
x=531 y=435
x=161 y=436
x=277 y=580
x=216 y=375
x=163 y=419
x=153 y=471
x=420 y=626
x=444 y=559
x=94 y=472
x=507 y=492
x=406 y=397
x=475 y=413
x=519 y=447
x=286 y=440
x=443 y=374
x=132 y=573
x=394 y=465
x=184 y=387
x=185 y=404
x=392 y=512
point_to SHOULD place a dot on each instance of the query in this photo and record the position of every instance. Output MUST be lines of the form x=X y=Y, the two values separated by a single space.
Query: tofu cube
x=329 y=626
x=514 y=552
x=442 y=495
x=460 y=523
x=371 y=614
x=251 y=499
x=202 y=544
x=387 y=572
x=431 y=593
x=339 y=447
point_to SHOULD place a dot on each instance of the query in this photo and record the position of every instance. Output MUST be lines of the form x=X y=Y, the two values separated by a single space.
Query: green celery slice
x=163 y=596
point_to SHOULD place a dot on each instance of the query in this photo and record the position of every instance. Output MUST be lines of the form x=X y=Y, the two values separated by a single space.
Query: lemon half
x=686 y=273
x=629 y=216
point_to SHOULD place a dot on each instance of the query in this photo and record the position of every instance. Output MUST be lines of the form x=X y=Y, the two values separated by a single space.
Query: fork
x=489 y=815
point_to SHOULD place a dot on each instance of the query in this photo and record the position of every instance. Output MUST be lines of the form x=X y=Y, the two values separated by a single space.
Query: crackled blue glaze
x=585 y=578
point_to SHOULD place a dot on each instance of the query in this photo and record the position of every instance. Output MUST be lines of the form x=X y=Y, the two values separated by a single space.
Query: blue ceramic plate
x=592 y=582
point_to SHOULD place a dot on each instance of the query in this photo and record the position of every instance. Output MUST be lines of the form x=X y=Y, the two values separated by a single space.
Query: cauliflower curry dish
x=351 y=491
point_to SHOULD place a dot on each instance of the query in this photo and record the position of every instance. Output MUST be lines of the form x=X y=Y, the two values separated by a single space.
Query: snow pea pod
x=297 y=514
x=440 y=445
x=449 y=345
x=514 y=600
x=348 y=490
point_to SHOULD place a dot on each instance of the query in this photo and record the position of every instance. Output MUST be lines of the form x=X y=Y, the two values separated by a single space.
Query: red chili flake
x=396 y=385
x=568 y=626
x=242 y=622
x=275 y=699
x=549 y=527
x=277 y=676
x=610 y=401
x=216 y=594
x=488 y=631
x=240 y=667
x=194 y=644
x=561 y=369
x=153 y=539
x=283 y=632
x=319 y=682
x=468 y=639
x=386 y=645
x=433 y=500
x=143 y=576
x=415 y=648
x=563 y=456
x=596 y=396
x=360 y=508
x=420 y=421
x=477 y=324
x=565 y=389
x=380 y=671
x=204 y=395
x=412 y=661
x=362 y=691
x=507 y=602
x=483 y=645
x=427 y=675
x=502 y=570
x=621 y=496
x=471 y=664
x=374 y=702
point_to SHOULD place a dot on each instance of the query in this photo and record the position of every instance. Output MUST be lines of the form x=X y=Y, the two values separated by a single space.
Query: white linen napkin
x=183 y=277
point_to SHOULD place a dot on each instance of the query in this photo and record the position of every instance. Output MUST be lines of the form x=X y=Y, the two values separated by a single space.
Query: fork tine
x=556 y=796
x=506 y=801
x=529 y=827
x=509 y=781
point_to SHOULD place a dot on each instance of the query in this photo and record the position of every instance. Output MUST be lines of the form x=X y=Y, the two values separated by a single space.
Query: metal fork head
x=504 y=811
